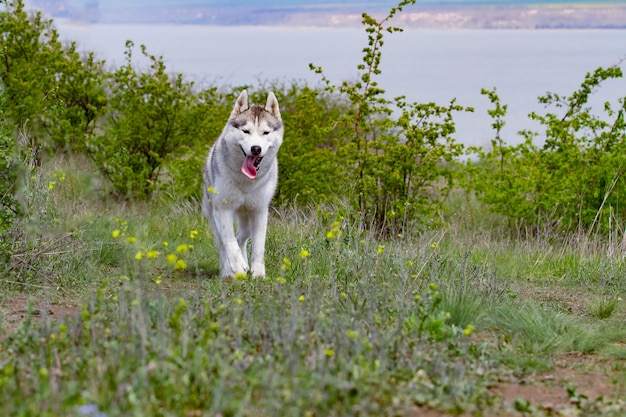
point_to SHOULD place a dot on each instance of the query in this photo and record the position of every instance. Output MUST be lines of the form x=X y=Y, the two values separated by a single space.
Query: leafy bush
x=30 y=55
x=146 y=124
x=204 y=119
x=400 y=169
x=575 y=180
x=9 y=208
x=52 y=95
x=80 y=99
x=311 y=171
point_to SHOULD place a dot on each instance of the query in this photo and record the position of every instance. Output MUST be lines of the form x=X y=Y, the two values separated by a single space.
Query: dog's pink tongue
x=248 y=167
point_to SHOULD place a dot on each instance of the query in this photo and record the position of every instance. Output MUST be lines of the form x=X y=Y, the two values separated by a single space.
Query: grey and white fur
x=240 y=178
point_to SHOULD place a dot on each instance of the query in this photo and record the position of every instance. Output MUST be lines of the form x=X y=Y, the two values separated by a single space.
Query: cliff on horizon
x=432 y=14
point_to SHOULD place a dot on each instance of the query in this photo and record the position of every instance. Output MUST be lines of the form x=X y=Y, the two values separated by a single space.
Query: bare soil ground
x=15 y=310
x=548 y=391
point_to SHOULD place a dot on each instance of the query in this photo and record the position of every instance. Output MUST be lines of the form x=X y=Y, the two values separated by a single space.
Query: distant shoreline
x=551 y=16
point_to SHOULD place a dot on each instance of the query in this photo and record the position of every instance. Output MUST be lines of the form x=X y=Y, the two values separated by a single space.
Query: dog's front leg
x=231 y=260
x=258 y=228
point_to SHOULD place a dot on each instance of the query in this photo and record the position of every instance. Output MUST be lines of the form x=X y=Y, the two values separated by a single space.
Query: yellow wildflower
x=182 y=248
x=352 y=334
x=131 y=239
x=171 y=258
x=304 y=253
x=301 y=299
x=152 y=254
x=139 y=255
x=116 y=233
x=286 y=264
x=469 y=330
x=180 y=265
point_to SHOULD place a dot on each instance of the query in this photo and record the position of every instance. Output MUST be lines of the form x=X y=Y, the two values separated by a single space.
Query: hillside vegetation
x=403 y=276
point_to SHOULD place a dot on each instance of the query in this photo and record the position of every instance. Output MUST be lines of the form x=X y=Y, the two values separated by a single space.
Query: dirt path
x=15 y=309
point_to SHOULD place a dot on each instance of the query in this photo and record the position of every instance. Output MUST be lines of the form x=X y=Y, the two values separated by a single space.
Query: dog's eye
x=246 y=131
x=266 y=132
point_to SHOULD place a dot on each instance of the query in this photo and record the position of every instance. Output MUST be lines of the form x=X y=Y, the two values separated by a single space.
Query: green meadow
x=406 y=274
x=119 y=307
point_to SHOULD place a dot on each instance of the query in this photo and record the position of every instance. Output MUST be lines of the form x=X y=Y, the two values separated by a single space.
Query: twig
x=26 y=284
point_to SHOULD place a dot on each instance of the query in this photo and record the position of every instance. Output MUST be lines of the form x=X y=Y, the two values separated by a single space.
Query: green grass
x=343 y=325
x=602 y=308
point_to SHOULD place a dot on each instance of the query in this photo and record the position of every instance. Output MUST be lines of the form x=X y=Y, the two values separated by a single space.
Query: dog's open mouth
x=250 y=165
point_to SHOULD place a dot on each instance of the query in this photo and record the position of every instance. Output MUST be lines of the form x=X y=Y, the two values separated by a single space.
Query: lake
x=423 y=65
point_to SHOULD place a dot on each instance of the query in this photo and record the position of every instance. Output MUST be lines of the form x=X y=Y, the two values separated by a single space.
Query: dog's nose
x=256 y=150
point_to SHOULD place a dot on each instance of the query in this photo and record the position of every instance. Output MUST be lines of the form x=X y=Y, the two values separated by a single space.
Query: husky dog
x=240 y=177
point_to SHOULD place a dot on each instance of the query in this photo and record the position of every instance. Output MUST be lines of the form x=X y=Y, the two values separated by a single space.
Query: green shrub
x=204 y=119
x=30 y=55
x=400 y=169
x=574 y=181
x=311 y=171
x=8 y=173
x=146 y=124
x=80 y=99
x=52 y=95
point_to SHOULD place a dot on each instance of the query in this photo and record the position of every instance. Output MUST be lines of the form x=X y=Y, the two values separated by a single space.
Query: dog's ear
x=272 y=105
x=241 y=104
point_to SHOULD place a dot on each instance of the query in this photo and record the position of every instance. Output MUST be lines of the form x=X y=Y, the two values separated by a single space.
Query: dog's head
x=259 y=130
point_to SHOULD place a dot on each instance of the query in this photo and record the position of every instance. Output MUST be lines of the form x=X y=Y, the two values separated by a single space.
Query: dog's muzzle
x=251 y=163
x=256 y=162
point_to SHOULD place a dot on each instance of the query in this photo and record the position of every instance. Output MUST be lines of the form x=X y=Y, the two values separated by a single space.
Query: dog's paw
x=258 y=270
x=235 y=266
